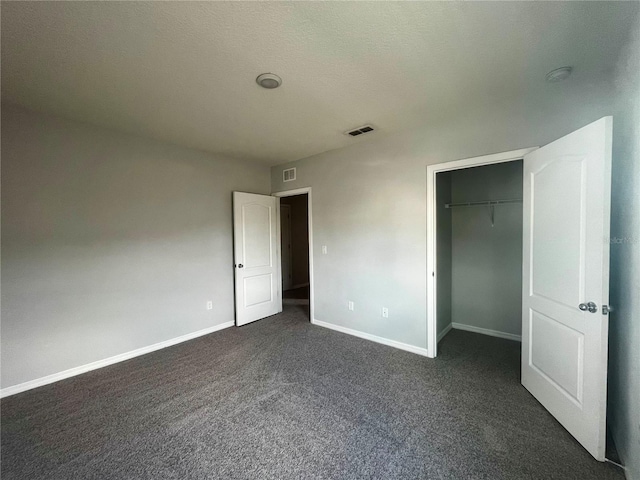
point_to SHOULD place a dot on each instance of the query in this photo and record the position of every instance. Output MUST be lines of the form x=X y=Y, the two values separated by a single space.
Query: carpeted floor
x=283 y=399
x=297 y=296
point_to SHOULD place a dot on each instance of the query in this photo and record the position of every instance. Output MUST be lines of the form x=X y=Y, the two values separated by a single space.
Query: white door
x=567 y=187
x=257 y=269
x=285 y=246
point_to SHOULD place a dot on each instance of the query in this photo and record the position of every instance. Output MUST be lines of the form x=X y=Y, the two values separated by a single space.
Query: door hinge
x=607 y=309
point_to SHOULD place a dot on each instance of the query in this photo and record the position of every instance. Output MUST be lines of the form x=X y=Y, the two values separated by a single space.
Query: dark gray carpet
x=284 y=399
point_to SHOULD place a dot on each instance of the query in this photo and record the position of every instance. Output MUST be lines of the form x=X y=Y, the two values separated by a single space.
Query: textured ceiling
x=185 y=72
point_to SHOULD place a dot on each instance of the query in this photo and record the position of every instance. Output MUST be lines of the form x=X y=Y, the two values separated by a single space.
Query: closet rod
x=487 y=203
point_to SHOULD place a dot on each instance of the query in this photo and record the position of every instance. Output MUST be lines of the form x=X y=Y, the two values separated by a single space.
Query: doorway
x=295 y=223
x=479 y=250
x=294 y=244
x=438 y=301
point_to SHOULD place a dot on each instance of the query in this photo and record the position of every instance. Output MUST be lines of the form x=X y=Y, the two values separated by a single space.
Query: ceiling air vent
x=289 y=175
x=360 y=131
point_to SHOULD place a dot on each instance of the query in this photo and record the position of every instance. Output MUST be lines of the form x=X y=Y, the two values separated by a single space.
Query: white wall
x=109 y=242
x=369 y=202
x=624 y=336
x=486 y=260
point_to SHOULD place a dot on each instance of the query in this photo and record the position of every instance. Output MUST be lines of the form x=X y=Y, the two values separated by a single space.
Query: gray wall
x=369 y=202
x=109 y=242
x=486 y=261
x=299 y=238
x=624 y=336
x=443 y=251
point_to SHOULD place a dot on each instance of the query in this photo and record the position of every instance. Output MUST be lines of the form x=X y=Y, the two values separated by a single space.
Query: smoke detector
x=269 y=80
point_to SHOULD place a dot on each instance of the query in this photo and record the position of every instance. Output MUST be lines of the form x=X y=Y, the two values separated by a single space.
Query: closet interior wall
x=443 y=253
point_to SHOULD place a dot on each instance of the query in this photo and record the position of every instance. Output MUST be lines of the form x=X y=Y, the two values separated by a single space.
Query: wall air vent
x=359 y=130
x=289 y=175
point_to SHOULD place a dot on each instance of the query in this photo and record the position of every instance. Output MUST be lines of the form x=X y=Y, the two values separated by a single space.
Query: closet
x=479 y=250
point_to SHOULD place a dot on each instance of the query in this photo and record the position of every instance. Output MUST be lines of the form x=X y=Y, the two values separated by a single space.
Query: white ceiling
x=185 y=72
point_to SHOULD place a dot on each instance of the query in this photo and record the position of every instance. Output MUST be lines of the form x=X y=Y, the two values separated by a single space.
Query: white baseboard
x=374 y=338
x=446 y=330
x=486 y=331
x=72 y=372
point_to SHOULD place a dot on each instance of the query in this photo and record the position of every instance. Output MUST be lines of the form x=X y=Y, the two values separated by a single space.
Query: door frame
x=432 y=170
x=291 y=193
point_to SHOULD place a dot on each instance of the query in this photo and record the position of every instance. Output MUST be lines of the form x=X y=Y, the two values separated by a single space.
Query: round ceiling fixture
x=269 y=80
x=558 y=74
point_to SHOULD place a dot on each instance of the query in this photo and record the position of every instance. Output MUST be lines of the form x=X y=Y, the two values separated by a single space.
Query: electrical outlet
x=385 y=312
x=351 y=306
x=209 y=305
x=324 y=249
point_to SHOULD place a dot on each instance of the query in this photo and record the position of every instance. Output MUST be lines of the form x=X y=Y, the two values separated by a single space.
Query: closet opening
x=479 y=253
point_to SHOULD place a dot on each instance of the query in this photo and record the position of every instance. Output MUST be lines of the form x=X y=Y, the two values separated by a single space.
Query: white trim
x=374 y=338
x=72 y=372
x=432 y=170
x=486 y=331
x=446 y=330
x=291 y=193
x=279 y=253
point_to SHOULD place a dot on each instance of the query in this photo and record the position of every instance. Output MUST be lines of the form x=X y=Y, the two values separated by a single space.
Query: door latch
x=607 y=309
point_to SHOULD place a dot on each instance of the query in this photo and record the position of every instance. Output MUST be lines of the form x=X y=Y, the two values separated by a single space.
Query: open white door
x=257 y=270
x=567 y=188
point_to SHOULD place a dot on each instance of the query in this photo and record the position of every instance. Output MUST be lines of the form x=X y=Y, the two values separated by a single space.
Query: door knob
x=591 y=307
x=240 y=265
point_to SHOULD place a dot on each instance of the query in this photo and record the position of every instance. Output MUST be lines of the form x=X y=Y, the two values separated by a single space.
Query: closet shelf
x=486 y=203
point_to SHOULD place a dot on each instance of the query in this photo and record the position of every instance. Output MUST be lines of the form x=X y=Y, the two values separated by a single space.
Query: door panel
x=256 y=241
x=258 y=290
x=559 y=183
x=566 y=263
x=257 y=279
x=556 y=352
